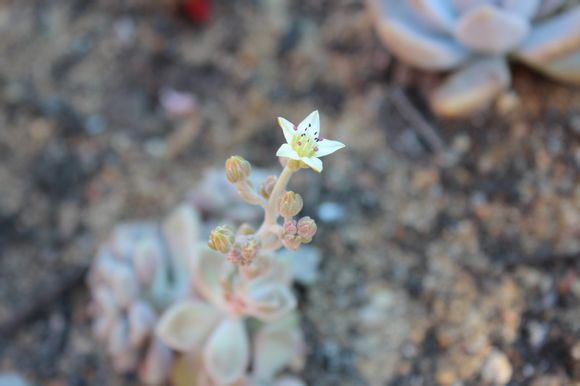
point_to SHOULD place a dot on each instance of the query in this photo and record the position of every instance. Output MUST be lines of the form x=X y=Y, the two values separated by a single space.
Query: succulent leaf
x=157 y=363
x=413 y=43
x=277 y=345
x=552 y=39
x=437 y=13
x=471 y=88
x=227 y=352
x=491 y=30
x=185 y=325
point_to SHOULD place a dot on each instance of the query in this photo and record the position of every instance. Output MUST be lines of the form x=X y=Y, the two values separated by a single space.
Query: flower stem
x=271 y=210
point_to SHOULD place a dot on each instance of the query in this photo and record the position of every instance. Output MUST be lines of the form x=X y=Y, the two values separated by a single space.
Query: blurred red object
x=198 y=11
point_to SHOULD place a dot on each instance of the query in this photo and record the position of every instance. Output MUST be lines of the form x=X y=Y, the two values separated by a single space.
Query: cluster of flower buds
x=298 y=232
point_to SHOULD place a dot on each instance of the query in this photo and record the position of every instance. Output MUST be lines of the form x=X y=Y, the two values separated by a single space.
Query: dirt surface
x=449 y=258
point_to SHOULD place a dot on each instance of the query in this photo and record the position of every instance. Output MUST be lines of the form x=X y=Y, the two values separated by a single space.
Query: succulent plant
x=477 y=37
x=140 y=271
x=218 y=313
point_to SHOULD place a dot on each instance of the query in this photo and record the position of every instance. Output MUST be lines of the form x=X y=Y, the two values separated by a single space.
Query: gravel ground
x=449 y=259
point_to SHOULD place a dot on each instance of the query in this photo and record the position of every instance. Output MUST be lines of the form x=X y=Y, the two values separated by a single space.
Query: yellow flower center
x=304 y=145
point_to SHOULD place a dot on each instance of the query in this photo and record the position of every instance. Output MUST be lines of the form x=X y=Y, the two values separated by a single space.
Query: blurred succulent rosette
x=169 y=308
x=475 y=39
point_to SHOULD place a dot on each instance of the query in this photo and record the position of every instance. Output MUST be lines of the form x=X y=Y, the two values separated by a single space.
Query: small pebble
x=497 y=369
x=330 y=212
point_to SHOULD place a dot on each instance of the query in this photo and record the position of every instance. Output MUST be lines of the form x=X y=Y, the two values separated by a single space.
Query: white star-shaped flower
x=304 y=142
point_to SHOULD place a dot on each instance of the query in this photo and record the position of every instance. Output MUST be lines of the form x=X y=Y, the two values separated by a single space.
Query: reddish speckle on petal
x=295 y=128
x=316 y=148
x=299 y=143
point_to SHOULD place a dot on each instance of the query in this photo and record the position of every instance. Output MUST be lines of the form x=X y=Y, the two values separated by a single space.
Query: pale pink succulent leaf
x=491 y=30
x=410 y=41
x=471 y=88
x=565 y=69
x=103 y=325
x=278 y=345
x=552 y=39
x=207 y=273
x=142 y=319
x=267 y=300
x=548 y=7
x=463 y=6
x=437 y=13
x=287 y=380
x=181 y=230
x=119 y=337
x=185 y=325
x=124 y=284
x=156 y=365
x=525 y=8
x=146 y=260
x=226 y=354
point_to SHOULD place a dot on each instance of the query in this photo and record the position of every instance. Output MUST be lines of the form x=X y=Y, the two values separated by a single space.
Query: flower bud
x=290 y=204
x=237 y=169
x=290 y=228
x=249 y=247
x=234 y=256
x=246 y=229
x=221 y=239
x=267 y=186
x=306 y=229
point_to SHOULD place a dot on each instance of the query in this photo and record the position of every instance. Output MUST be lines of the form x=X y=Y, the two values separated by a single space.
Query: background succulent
x=140 y=271
x=478 y=36
x=157 y=300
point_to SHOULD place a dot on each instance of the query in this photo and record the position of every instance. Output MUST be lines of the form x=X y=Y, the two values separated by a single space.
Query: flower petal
x=287 y=127
x=327 y=146
x=313 y=162
x=227 y=352
x=277 y=345
x=185 y=325
x=310 y=125
x=286 y=151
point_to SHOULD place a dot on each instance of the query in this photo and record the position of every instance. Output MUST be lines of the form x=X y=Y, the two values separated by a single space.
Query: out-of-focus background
x=447 y=245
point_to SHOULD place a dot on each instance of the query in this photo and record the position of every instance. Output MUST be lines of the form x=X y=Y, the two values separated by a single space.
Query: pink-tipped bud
x=267 y=186
x=290 y=228
x=249 y=247
x=306 y=229
x=221 y=239
x=237 y=169
x=291 y=242
x=234 y=256
x=290 y=204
